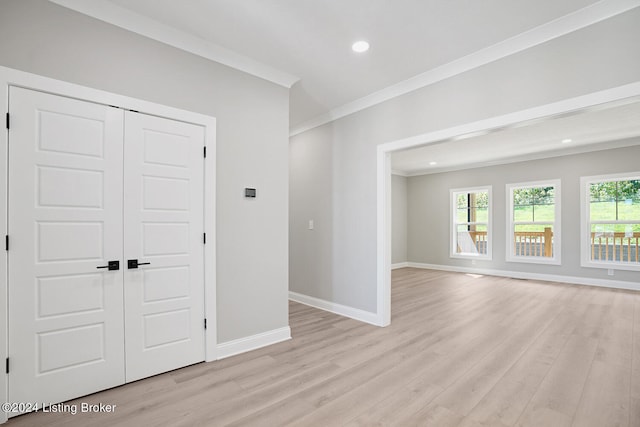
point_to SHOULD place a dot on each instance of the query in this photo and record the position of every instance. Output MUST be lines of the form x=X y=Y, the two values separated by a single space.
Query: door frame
x=10 y=77
x=573 y=105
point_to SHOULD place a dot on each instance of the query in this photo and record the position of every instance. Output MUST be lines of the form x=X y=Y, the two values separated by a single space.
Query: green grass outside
x=545 y=213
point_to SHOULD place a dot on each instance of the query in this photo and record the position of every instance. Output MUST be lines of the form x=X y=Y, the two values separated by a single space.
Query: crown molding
x=577 y=20
x=134 y=22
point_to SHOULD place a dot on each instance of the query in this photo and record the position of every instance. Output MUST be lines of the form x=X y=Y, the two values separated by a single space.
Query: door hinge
x=6 y=242
x=204 y=238
x=7 y=363
x=205 y=152
x=8 y=121
x=205 y=323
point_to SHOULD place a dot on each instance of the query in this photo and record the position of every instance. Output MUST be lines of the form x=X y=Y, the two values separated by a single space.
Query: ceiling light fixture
x=567 y=140
x=433 y=163
x=360 y=46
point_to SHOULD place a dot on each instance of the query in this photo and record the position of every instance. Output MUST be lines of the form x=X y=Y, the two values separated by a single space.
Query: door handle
x=133 y=263
x=111 y=265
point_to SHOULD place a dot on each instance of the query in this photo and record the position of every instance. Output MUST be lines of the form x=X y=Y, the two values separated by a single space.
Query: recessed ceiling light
x=567 y=140
x=433 y=163
x=360 y=46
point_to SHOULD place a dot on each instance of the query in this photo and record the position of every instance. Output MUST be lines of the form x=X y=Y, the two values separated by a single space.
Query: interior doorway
x=598 y=100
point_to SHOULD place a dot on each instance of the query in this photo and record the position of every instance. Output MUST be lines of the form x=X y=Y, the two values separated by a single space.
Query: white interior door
x=164 y=225
x=65 y=221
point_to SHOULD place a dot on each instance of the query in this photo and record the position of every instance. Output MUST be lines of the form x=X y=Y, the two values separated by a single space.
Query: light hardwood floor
x=462 y=350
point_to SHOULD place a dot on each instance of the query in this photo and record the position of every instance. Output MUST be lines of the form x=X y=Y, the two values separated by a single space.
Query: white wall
x=398 y=219
x=252 y=140
x=597 y=57
x=311 y=198
x=429 y=210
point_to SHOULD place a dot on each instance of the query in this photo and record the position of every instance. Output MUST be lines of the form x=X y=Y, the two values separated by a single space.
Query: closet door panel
x=65 y=220
x=164 y=224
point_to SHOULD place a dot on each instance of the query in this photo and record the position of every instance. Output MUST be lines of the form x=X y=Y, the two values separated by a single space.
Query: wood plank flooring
x=462 y=350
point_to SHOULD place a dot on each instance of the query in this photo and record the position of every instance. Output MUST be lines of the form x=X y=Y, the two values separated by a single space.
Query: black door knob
x=133 y=263
x=111 y=265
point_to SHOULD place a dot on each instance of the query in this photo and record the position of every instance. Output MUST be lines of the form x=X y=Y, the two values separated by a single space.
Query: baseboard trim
x=253 y=342
x=399 y=265
x=335 y=308
x=586 y=281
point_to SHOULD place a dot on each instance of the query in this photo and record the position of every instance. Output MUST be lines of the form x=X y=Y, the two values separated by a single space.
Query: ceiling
x=608 y=126
x=307 y=43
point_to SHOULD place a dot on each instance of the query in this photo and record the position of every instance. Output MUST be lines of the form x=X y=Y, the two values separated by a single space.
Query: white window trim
x=585 y=232
x=452 y=223
x=557 y=246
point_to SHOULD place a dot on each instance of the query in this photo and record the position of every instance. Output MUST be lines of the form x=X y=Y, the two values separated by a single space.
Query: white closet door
x=164 y=225
x=65 y=220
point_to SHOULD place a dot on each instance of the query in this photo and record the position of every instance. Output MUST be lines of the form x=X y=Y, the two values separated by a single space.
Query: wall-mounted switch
x=310 y=224
x=249 y=192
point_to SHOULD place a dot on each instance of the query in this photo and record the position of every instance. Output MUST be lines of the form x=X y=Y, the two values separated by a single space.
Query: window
x=471 y=223
x=533 y=213
x=611 y=221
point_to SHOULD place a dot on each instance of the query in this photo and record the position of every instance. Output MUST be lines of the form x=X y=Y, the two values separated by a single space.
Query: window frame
x=585 y=221
x=453 y=224
x=556 y=259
